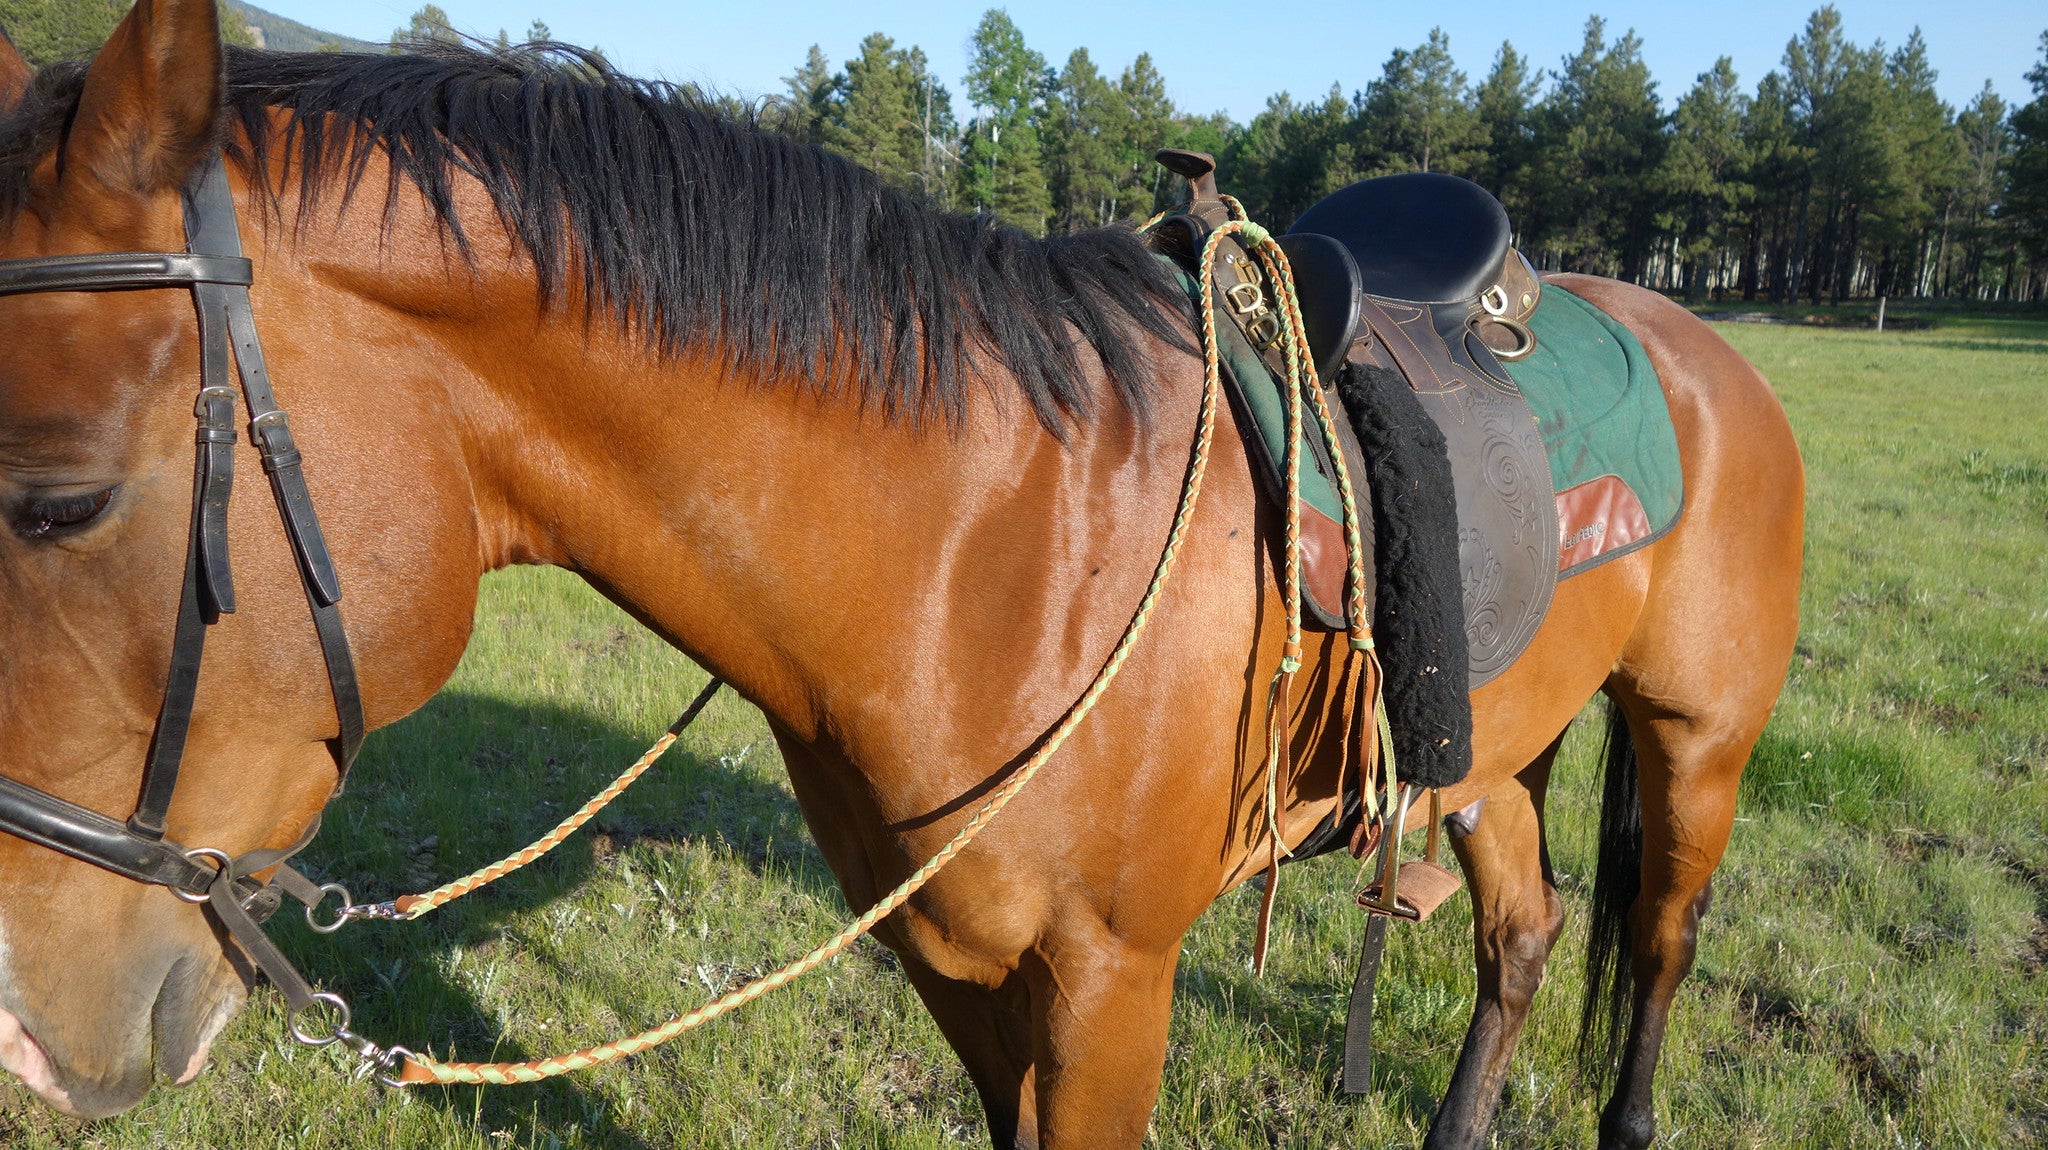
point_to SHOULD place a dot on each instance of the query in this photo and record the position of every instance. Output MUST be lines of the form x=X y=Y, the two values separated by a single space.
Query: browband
x=122 y=271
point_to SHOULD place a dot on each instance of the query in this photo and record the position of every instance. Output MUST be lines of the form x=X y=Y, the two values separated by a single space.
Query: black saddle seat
x=1421 y=236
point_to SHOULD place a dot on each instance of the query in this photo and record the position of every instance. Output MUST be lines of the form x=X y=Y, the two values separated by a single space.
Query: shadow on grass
x=467 y=780
x=2018 y=341
x=471 y=778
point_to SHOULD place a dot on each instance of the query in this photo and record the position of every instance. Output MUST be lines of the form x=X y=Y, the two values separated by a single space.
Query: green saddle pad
x=1606 y=428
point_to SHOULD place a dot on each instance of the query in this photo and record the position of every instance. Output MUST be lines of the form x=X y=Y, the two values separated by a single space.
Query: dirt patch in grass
x=2034 y=958
x=606 y=646
x=2034 y=951
x=2031 y=675
x=1913 y=845
x=1889 y=1081
x=1766 y=1013
x=1941 y=714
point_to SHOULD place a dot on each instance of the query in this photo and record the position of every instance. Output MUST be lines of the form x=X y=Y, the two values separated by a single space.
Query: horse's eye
x=49 y=516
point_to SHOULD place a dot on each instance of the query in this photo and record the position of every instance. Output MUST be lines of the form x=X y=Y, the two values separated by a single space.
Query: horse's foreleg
x=1100 y=1008
x=1689 y=772
x=991 y=1032
x=1516 y=917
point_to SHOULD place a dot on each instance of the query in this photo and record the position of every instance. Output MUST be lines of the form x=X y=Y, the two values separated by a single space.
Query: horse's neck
x=848 y=573
x=829 y=562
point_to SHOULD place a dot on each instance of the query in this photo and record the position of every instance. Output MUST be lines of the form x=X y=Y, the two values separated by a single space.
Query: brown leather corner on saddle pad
x=1596 y=517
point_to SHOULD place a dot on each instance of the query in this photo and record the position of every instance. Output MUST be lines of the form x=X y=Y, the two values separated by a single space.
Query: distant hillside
x=281 y=35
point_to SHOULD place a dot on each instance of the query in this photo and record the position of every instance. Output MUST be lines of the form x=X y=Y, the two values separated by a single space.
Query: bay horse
x=897 y=476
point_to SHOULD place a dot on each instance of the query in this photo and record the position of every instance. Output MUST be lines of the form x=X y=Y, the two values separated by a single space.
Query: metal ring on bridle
x=193 y=856
x=341 y=915
x=332 y=1002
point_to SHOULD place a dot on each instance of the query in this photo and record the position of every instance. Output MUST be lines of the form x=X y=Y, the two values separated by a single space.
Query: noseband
x=218 y=276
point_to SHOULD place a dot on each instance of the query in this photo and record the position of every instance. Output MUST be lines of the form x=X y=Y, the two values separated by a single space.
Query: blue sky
x=746 y=46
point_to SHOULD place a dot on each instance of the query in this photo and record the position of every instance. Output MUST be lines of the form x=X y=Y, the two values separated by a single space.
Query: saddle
x=1414 y=274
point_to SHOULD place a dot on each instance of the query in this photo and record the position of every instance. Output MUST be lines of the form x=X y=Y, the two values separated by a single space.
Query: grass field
x=1871 y=976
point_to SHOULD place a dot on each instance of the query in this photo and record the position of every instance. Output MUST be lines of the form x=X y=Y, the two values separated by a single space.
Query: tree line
x=46 y=30
x=1840 y=173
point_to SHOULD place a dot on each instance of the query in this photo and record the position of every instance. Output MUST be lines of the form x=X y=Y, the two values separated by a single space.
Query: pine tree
x=1701 y=176
x=1923 y=159
x=1002 y=169
x=1292 y=155
x=1839 y=97
x=1419 y=117
x=1977 y=228
x=1086 y=121
x=1149 y=124
x=1598 y=137
x=878 y=116
x=429 y=26
x=2027 y=198
x=800 y=114
x=1778 y=164
x=1504 y=104
x=875 y=120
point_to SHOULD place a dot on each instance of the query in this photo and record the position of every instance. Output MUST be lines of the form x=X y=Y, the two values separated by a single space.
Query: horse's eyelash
x=48 y=514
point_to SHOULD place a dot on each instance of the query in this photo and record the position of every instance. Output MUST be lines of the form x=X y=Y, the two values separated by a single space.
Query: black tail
x=1603 y=1016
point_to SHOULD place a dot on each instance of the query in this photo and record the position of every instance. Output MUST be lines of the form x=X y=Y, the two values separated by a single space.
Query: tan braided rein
x=417 y=1069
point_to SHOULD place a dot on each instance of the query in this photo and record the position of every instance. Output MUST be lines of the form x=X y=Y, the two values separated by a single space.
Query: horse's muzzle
x=195 y=999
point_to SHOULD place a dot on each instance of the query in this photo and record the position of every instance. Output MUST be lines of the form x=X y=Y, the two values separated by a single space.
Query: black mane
x=692 y=228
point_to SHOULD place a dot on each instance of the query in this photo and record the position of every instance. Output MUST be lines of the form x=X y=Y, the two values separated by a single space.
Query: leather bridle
x=218 y=276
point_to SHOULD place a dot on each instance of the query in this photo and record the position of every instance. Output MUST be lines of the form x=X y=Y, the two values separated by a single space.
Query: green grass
x=1871 y=974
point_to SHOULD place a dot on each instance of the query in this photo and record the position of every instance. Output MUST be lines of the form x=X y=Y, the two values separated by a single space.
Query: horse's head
x=105 y=980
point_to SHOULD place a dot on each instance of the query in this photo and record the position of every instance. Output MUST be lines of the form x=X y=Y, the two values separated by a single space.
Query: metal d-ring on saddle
x=218 y=276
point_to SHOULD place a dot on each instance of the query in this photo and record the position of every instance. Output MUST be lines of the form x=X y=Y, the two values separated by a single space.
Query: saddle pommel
x=1197 y=168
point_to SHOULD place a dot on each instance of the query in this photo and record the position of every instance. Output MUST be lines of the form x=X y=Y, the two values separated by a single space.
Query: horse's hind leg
x=1690 y=767
x=1516 y=917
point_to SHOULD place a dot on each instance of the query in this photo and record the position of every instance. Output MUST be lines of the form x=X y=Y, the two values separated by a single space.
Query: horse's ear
x=152 y=103
x=14 y=74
